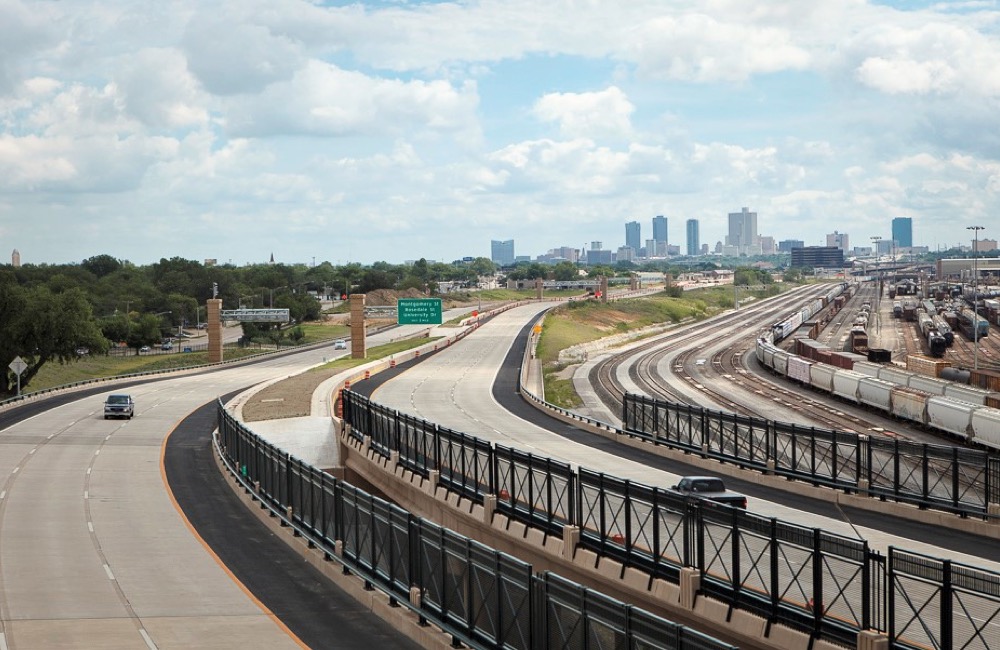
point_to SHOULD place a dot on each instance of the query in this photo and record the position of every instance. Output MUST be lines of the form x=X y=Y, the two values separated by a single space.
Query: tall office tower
x=692 y=237
x=651 y=248
x=838 y=239
x=902 y=232
x=633 y=234
x=743 y=231
x=502 y=252
x=660 y=229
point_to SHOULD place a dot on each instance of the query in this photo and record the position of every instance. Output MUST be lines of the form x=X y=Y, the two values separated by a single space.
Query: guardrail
x=826 y=585
x=952 y=479
x=481 y=596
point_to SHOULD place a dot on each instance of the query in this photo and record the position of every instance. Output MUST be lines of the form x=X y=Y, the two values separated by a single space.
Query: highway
x=96 y=553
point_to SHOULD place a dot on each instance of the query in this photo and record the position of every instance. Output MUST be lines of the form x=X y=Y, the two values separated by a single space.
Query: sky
x=399 y=130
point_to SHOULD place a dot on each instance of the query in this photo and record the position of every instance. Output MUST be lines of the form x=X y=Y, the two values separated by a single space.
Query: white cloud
x=594 y=114
x=325 y=100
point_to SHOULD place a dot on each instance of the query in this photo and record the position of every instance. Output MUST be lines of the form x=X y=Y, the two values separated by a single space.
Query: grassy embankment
x=95 y=366
x=583 y=322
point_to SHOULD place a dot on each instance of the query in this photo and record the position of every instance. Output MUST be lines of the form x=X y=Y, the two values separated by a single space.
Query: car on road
x=167 y=345
x=144 y=348
x=119 y=405
x=711 y=488
x=340 y=345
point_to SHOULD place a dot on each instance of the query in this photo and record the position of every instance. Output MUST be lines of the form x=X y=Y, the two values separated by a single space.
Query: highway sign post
x=419 y=311
x=18 y=366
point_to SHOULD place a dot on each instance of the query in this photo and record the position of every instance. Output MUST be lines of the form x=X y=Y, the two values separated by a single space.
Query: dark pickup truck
x=711 y=488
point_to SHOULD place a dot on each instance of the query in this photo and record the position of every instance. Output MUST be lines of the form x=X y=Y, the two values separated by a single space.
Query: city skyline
x=388 y=131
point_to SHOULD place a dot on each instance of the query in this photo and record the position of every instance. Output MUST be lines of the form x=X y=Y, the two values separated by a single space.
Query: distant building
x=596 y=246
x=626 y=254
x=502 y=252
x=786 y=245
x=981 y=246
x=633 y=236
x=211 y=261
x=766 y=245
x=743 y=232
x=704 y=249
x=838 y=239
x=598 y=256
x=693 y=244
x=650 y=249
x=672 y=249
x=902 y=231
x=660 y=229
x=15 y=259
x=817 y=257
x=566 y=253
x=884 y=246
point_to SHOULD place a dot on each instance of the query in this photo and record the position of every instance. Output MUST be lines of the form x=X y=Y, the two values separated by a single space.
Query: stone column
x=359 y=343
x=213 y=313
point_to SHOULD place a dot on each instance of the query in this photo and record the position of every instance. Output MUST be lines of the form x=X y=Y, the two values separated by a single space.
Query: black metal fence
x=952 y=479
x=482 y=597
x=823 y=584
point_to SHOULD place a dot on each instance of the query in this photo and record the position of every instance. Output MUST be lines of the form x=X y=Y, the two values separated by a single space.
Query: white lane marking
x=33 y=451
x=86 y=494
x=145 y=637
x=16 y=470
x=107 y=570
x=51 y=436
x=3 y=494
x=90 y=526
x=89 y=470
x=3 y=641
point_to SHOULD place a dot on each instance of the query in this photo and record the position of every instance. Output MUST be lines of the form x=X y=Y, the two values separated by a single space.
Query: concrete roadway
x=470 y=387
x=95 y=551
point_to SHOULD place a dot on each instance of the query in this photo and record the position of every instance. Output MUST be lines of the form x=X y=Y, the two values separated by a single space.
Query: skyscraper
x=633 y=235
x=902 y=232
x=660 y=229
x=502 y=252
x=743 y=231
x=692 y=237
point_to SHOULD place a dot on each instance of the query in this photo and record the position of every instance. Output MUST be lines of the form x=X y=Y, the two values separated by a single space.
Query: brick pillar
x=538 y=288
x=604 y=289
x=213 y=313
x=359 y=345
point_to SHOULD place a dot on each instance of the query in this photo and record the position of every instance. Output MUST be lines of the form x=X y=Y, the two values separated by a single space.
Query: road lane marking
x=107 y=570
x=147 y=639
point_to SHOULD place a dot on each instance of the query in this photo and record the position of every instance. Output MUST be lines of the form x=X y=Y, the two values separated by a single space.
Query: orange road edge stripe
x=239 y=583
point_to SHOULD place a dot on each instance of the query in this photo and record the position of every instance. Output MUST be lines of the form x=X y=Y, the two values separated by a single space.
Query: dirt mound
x=388 y=297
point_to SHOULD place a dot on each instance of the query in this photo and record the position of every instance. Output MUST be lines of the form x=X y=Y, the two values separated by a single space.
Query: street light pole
x=975 y=294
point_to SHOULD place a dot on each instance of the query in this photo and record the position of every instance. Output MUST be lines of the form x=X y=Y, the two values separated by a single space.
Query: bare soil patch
x=288 y=398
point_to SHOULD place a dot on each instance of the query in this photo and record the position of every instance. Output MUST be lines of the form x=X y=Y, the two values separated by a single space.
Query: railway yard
x=723 y=364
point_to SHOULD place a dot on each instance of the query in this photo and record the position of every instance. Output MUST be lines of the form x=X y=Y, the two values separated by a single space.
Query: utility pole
x=975 y=293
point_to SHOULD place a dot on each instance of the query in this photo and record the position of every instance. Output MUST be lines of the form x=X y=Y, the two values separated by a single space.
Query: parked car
x=167 y=345
x=119 y=405
x=711 y=488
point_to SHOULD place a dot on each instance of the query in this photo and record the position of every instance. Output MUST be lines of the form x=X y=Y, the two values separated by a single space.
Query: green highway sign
x=419 y=311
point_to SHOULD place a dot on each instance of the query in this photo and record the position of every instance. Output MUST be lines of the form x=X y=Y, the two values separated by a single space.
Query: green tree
x=565 y=271
x=40 y=326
